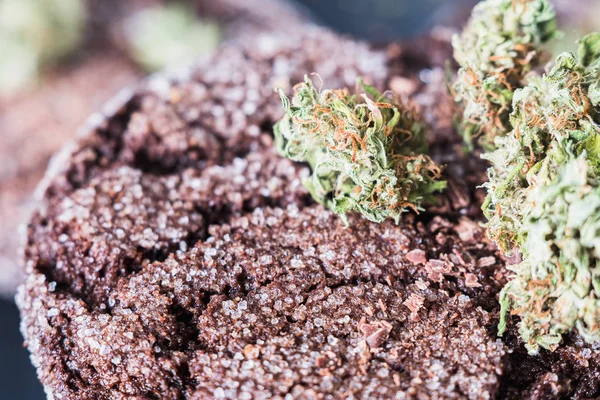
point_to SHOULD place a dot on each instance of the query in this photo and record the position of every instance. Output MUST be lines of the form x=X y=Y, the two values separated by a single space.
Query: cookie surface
x=177 y=256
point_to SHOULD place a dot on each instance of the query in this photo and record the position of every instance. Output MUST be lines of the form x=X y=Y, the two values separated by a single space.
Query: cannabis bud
x=552 y=115
x=547 y=206
x=496 y=50
x=557 y=287
x=34 y=34
x=169 y=36
x=365 y=152
x=543 y=189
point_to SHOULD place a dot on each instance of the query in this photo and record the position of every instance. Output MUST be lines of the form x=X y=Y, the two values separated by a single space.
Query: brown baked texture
x=176 y=256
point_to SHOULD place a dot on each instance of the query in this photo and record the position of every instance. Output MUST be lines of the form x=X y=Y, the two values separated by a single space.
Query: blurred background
x=60 y=60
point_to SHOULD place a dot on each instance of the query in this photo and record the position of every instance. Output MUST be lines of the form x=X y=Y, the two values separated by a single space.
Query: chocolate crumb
x=416 y=256
x=375 y=334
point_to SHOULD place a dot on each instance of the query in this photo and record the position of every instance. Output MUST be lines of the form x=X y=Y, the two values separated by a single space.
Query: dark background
x=377 y=20
x=383 y=21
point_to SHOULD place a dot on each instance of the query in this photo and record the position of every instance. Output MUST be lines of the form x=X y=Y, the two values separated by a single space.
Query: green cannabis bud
x=169 y=36
x=557 y=286
x=543 y=138
x=35 y=34
x=544 y=196
x=366 y=153
x=551 y=115
x=499 y=46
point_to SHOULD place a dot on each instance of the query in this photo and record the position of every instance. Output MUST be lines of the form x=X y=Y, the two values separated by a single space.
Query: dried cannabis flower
x=557 y=287
x=169 y=36
x=551 y=115
x=543 y=190
x=496 y=50
x=366 y=156
x=550 y=205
